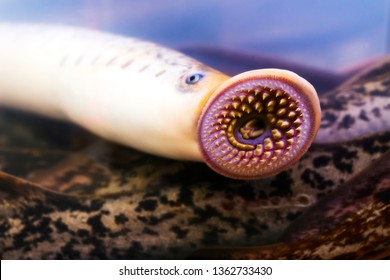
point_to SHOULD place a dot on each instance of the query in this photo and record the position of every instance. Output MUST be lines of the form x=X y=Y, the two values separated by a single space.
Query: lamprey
x=73 y=195
x=158 y=100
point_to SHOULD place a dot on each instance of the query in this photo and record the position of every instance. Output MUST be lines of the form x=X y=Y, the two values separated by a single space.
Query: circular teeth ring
x=258 y=123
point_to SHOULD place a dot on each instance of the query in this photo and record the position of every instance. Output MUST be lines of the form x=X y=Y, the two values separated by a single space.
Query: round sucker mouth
x=258 y=124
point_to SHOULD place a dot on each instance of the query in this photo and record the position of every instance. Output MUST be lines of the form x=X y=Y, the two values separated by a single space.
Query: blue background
x=333 y=35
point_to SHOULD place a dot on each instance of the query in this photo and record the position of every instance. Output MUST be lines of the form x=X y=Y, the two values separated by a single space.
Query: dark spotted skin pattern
x=359 y=107
x=351 y=223
x=103 y=201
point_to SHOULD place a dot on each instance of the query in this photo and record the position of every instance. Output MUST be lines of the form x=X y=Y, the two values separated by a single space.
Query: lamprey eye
x=194 y=78
x=258 y=123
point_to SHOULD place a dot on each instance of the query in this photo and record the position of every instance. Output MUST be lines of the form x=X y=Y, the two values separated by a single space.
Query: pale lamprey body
x=158 y=100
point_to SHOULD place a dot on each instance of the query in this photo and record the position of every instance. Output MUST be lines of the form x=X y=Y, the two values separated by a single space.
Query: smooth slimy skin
x=112 y=202
x=158 y=100
x=125 y=90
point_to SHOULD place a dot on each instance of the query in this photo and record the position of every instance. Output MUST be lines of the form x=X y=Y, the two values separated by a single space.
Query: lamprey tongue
x=258 y=123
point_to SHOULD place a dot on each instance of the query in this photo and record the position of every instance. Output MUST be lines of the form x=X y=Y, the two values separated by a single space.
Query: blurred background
x=331 y=35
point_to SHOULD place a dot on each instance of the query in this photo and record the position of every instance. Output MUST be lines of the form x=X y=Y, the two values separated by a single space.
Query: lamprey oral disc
x=158 y=100
x=274 y=116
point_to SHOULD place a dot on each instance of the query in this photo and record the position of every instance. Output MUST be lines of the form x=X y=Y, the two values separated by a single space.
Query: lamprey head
x=258 y=123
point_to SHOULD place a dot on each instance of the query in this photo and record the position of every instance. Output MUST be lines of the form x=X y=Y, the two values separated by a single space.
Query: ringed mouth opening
x=250 y=129
x=256 y=124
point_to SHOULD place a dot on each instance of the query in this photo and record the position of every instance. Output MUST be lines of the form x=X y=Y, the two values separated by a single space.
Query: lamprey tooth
x=235 y=105
x=290 y=133
x=277 y=152
x=283 y=102
x=258 y=107
x=276 y=134
x=298 y=121
x=273 y=118
x=268 y=144
x=259 y=150
x=245 y=108
x=267 y=154
x=281 y=112
x=283 y=124
x=291 y=115
x=265 y=95
x=279 y=144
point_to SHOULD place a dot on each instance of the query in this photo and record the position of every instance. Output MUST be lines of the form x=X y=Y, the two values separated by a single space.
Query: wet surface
x=87 y=198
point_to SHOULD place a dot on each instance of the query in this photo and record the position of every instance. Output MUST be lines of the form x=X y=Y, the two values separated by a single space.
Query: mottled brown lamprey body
x=74 y=196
